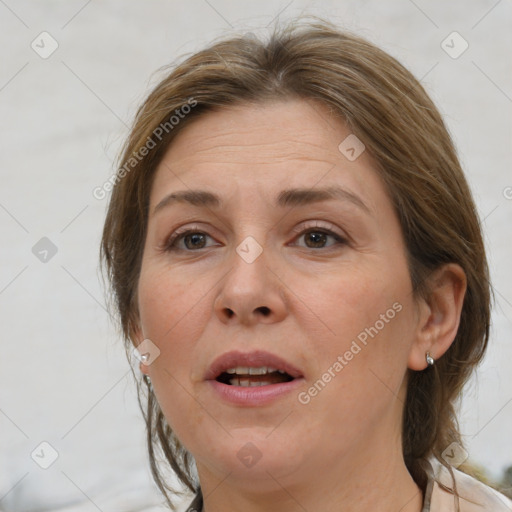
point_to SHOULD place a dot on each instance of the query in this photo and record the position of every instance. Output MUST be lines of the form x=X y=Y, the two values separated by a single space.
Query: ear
x=438 y=315
x=137 y=337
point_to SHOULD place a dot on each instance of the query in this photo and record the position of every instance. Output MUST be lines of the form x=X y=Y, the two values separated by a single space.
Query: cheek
x=353 y=299
x=166 y=303
x=172 y=315
x=369 y=319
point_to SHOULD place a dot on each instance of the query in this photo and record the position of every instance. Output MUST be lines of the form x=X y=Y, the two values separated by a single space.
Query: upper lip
x=254 y=359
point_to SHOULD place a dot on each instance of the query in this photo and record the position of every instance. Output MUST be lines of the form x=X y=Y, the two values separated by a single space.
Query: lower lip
x=254 y=396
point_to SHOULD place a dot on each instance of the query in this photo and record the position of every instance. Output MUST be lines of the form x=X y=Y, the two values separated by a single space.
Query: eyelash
x=181 y=234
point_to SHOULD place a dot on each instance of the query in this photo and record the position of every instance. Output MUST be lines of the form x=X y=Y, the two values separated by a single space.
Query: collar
x=474 y=496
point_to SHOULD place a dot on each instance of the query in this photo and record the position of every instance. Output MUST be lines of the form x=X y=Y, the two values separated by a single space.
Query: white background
x=64 y=376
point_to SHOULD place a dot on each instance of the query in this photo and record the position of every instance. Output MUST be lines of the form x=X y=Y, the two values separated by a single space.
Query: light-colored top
x=474 y=496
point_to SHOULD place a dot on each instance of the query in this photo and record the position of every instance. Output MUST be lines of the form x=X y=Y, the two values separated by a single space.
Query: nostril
x=264 y=310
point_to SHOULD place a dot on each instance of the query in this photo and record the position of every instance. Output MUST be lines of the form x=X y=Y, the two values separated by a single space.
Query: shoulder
x=474 y=496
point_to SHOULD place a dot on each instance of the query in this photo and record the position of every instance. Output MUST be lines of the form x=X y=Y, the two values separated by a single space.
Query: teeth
x=246 y=383
x=244 y=370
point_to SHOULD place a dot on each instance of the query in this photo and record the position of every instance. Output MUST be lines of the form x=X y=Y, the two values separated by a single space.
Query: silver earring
x=147 y=380
x=430 y=359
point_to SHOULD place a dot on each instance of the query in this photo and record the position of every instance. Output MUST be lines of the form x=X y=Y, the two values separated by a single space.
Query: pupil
x=318 y=239
x=196 y=239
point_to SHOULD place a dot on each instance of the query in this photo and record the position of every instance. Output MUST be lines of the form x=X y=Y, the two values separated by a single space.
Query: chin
x=253 y=459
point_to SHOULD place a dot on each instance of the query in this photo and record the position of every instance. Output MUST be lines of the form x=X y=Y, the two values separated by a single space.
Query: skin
x=301 y=301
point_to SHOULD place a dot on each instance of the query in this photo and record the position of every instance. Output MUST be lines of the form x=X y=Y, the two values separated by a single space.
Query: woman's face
x=294 y=260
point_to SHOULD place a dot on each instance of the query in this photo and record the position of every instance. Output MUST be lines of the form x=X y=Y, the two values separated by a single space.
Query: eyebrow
x=289 y=197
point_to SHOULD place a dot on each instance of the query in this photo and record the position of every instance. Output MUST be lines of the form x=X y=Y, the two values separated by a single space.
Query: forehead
x=296 y=127
x=264 y=147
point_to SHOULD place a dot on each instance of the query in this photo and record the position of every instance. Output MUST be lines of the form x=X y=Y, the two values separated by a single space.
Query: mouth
x=253 y=369
x=252 y=377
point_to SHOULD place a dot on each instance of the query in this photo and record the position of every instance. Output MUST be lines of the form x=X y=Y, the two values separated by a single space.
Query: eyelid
x=181 y=231
x=321 y=225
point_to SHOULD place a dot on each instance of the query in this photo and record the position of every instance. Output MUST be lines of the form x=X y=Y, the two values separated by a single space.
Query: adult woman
x=294 y=250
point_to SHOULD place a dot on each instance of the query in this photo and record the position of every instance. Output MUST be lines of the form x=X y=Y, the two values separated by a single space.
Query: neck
x=366 y=484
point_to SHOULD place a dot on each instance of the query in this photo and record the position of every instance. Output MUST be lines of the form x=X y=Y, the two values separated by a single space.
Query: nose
x=251 y=293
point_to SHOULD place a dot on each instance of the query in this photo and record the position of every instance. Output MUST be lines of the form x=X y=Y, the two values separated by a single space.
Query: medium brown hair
x=387 y=109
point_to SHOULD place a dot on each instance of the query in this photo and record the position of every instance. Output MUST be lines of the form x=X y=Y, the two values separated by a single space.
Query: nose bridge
x=249 y=261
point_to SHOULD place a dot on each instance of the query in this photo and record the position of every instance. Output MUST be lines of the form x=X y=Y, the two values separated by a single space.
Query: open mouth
x=253 y=376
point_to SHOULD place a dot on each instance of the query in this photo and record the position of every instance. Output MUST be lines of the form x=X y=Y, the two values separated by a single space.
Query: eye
x=193 y=240
x=316 y=238
x=189 y=240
